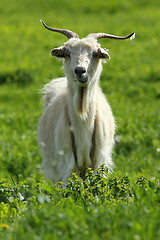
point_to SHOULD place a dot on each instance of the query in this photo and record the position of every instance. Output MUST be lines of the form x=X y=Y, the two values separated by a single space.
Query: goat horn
x=105 y=35
x=65 y=32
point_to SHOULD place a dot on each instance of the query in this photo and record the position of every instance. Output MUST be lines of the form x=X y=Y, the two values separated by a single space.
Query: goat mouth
x=83 y=80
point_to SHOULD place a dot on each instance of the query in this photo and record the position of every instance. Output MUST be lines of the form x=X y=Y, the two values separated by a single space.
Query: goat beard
x=81 y=103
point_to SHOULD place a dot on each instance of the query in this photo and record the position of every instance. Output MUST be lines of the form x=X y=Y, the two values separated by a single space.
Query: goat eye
x=95 y=54
x=67 y=53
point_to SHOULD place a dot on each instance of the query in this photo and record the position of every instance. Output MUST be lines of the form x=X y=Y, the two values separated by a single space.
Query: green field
x=124 y=206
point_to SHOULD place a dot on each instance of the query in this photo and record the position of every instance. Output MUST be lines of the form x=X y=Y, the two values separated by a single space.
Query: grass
x=114 y=208
x=127 y=204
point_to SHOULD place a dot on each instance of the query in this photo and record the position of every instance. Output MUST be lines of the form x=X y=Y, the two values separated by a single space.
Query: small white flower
x=61 y=153
x=158 y=149
x=42 y=144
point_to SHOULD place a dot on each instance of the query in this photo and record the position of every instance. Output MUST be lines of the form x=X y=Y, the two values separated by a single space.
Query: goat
x=77 y=128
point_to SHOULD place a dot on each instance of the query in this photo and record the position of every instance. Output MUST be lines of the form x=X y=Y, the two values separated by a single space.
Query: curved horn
x=65 y=32
x=105 y=35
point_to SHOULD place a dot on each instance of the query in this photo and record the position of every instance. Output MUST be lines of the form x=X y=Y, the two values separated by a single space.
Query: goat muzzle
x=81 y=74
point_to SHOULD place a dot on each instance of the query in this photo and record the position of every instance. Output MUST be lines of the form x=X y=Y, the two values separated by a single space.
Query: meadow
x=126 y=205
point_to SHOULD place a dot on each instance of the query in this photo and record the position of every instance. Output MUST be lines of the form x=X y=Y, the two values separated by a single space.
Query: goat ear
x=103 y=53
x=60 y=52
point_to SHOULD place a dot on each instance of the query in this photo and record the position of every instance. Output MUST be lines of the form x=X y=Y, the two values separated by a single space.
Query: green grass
x=127 y=204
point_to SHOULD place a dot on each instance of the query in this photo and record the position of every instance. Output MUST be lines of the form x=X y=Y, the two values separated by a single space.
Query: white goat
x=77 y=128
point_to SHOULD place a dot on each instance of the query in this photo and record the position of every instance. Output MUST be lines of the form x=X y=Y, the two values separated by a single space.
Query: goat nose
x=80 y=71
